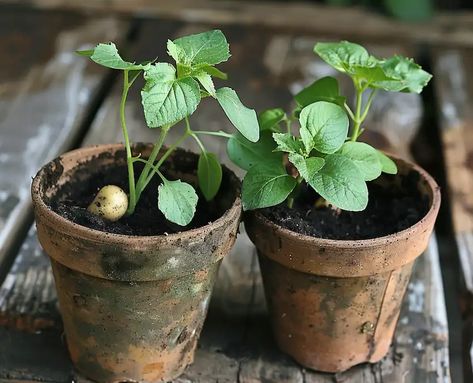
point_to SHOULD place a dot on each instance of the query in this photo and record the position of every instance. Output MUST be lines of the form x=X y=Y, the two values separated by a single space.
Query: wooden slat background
x=266 y=66
x=454 y=89
x=45 y=93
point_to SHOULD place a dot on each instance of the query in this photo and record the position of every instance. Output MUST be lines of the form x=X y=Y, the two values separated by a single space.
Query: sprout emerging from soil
x=110 y=203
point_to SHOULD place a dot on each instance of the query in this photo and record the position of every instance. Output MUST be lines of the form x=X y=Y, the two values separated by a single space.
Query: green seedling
x=326 y=154
x=170 y=95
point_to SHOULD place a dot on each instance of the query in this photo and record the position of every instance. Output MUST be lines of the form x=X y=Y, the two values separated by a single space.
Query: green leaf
x=324 y=89
x=246 y=154
x=345 y=56
x=206 y=80
x=341 y=183
x=404 y=75
x=214 y=72
x=209 y=172
x=160 y=72
x=365 y=157
x=177 y=200
x=307 y=167
x=387 y=164
x=269 y=119
x=107 y=56
x=288 y=143
x=176 y=52
x=324 y=127
x=265 y=186
x=203 y=48
x=243 y=118
x=166 y=99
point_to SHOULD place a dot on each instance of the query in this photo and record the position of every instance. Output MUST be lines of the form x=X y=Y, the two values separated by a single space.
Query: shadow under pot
x=335 y=303
x=132 y=306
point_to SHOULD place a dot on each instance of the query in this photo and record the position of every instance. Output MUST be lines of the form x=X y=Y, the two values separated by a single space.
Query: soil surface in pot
x=72 y=199
x=390 y=209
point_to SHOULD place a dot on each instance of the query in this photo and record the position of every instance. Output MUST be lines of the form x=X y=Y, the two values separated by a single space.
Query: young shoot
x=326 y=153
x=171 y=94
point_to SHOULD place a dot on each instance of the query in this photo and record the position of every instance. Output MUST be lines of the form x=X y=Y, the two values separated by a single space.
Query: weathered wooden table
x=51 y=101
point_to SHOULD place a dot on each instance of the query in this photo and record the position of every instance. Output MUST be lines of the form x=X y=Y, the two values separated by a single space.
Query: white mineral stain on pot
x=173 y=261
x=196 y=288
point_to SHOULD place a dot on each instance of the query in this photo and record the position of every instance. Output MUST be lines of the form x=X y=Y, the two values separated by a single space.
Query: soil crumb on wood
x=389 y=210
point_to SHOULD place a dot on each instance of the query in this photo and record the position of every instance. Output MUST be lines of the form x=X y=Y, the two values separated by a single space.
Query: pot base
x=331 y=324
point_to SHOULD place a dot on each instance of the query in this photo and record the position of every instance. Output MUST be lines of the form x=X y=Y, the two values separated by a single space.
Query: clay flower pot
x=335 y=303
x=132 y=306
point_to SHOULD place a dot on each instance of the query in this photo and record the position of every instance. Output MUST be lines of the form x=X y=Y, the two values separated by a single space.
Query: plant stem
x=357 y=120
x=153 y=168
x=167 y=154
x=349 y=111
x=194 y=136
x=294 y=193
x=129 y=157
x=149 y=163
x=368 y=104
x=219 y=133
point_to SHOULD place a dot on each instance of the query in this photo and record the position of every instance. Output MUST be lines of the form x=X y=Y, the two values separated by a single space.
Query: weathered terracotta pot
x=132 y=306
x=335 y=303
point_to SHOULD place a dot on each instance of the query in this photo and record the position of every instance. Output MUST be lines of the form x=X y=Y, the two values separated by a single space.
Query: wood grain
x=454 y=90
x=452 y=29
x=45 y=93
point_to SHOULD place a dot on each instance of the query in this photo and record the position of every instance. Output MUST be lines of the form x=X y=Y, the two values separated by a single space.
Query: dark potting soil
x=390 y=209
x=72 y=200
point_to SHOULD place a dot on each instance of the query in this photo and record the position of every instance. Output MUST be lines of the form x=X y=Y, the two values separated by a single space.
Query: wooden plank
x=45 y=93
x=236 y=344
x=454 y=90
x=446 y=28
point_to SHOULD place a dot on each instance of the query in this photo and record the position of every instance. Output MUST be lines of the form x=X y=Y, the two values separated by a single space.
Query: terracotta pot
x=132 y=306
x=335 y=303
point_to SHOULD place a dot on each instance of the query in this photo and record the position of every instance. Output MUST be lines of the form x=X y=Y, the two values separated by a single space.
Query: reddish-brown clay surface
x=132 y=306
x=334 y=303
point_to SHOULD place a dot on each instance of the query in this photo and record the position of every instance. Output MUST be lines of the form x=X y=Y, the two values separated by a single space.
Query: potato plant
x=326 y=153
x=171 y=94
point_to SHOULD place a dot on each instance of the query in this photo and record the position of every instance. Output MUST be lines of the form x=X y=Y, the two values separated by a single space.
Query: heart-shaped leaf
x=107 y=56
x=365 y=157
x=246 y=154
x=177 y=200
x=243 y=118
x=167 y=99
x=341 y=183
x=387 y=164
x=209 y=172
x=202 y=48
x=307 y=167
x=345 y=56
x=324 y=127
x=324 y=89
x=404 y=75
x=270 y=119
x=288 y=143
x=265 y=186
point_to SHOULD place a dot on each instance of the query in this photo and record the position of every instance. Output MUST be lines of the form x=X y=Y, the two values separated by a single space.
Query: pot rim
x=365 y=243
x=97 y=235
